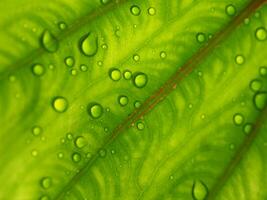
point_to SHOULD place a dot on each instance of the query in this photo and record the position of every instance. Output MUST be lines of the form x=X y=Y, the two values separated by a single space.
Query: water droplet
x=247 y=128
x=99 y=63
x=89 y=155
x=135 y=10
x=46 y=182
x=60 y=155
x=69 y=61
x=38 y=69
x=12 y=78
x=104 y=1
x=127 y=75
x=260 y=100
x=231 y=146
x=246 y=21
x=80 y=142
x=239 y=59
x=123 y=100
x=163 y=54
x=199 y=190
x=102 y=152
x=76 y=157
x=113 y=151
x=69 y=136
x=60 y=104
x=62 y=25
x=171 y=177
x=257 y=14
x=73 y=72
x=255 y=85
x=49 y=41
x=95 y=110
x=83 y=68
x=151 y=11
x=44 y=197
x=136 y=57
x=238 y=119
x=115 y=74
x=230 y=10
x=34 y=153
x=140 y=125
x=89 y=44
x=140 y=80
x=137 y=104
x=104 y=46
x=201 y=37
x=263 y=71
x=261 y=34
x=36 y=130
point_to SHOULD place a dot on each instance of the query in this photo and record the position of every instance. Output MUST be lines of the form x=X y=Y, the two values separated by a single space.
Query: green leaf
x=133 y=99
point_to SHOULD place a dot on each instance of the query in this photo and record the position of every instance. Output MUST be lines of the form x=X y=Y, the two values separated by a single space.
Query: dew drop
x=123 y=100
x=113 y=151
x=201 y=37
x=163 y=54
x=12 y=78
x=255 y=85
x=140 y=80
x=46 y=182
x=38 y=69
x=73 y=72
x=246 y=21
x=69 y=136
x=151 y=11
x=62 y=25
x=115 y=74
x=247 y=128
x=95 y=110
x=69 y=61
x=136 y=57
x=60 y=104
x=263 y=71
x=100 y=63
x=76 y=157
x=36 y=130
x=231 y=146
x=140 y=126
x=260 y=100
x=104 y=1
x=34 y=152
x=137 y=104
x=135 y=10
x=83 y=68
x=199 y=190
x=230 y=10
x=44 y=197
x=127 y=75
x=49 y=41
x=261 y=34
x=239 y=59
x=102 y=153
x=80 y=142
x=238 y=119
x=60 y=155
x=89 y=44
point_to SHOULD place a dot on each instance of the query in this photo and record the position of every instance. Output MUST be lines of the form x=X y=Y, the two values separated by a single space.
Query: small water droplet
x=83 y=68
x=140 y=80
x=60 y=155
x=199 y=190
x=95 y=110
x=104 y=1
x=136 y=57
x=76 y=157
x=238 y=119
x=88 y=155
x=36 y=130
x=69 y=61
x=140 y=125
x=246 y=21
x=80 y=142
x=73 y=72
x=49 y=41
x=12 y=78
x=115 y=74
x=232 y=146
x=255 y=85
x=89 y=44
x=261 y=34
x=163 y=54
x=99 y=63
x=239 y=59
x=257 y=14
x=102 y=153
x=263 y=71
x=38 y=69
x=123 y=100
x=69 y=136
x=104 y=46
x=151 y=11
x=62 y=25
x=230 y=10
x=46 y=182
x=247 y=128
x=44 y=197
x=34 y=152
x=201 y=37
x=113 y=151
x=127 y=75
x=135 y=10
x=260 y=100
x=137 y=104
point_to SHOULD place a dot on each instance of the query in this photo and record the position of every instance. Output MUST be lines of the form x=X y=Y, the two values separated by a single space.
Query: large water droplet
x=140 y=80
x=69 y=61
x=230 y=10
x=89 y=44
x=260 y=100
x=239 y=59
x=76 y=157
x=199 y=190
x=238 y=119
x=80 y=142
x=261 y=34
x=46 y=182
x=135 y=10
x=95 y=110
x=49 y=41
x=60 y=104
x=201 y=37
x=38 y=69
x=123 y=100
x=36 y=130
x=115 y=74
x=255 y=85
